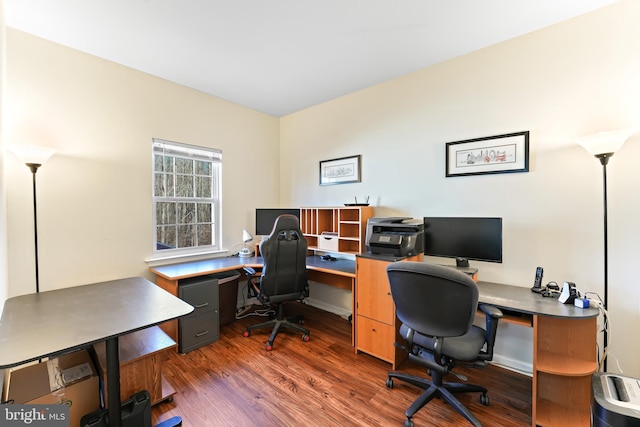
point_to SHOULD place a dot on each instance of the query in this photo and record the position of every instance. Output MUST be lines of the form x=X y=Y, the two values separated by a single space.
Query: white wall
x=568 y=80
x=94 y=194
x=571 y=79
x=4 y=288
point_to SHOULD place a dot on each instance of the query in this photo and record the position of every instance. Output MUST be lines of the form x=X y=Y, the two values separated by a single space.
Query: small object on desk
x=581 y=303
x=328 y=258
x=537 y=282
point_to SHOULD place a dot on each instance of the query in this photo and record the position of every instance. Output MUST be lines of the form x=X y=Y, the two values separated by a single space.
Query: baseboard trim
x=340 y=311
x=512 y=365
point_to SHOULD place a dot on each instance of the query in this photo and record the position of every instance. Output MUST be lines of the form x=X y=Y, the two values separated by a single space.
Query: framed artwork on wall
x=343 y=170
x=508 y=153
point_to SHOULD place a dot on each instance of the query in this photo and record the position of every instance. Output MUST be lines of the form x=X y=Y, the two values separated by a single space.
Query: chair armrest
x=492 y=315
x=249 y=271
x=490 y=311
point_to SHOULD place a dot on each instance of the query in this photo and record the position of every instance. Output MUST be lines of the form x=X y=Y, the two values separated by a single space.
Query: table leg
x=113 y=381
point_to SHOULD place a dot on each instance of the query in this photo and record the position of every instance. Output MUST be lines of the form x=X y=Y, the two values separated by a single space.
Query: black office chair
x=284 y=275
x=437 y=306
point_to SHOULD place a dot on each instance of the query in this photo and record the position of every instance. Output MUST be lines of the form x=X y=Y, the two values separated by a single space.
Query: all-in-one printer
x=395 y=236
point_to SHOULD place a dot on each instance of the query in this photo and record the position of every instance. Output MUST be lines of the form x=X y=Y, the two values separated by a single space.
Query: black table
x=51 y=323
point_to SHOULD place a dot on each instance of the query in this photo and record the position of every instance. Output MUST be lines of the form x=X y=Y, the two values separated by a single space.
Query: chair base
x=444 y=391
x=278 y=323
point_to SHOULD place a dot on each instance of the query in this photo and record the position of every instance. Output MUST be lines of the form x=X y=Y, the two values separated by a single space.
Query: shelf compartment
x=350 y=230
x=565 y=346
x=562 y=400
x=350 y=214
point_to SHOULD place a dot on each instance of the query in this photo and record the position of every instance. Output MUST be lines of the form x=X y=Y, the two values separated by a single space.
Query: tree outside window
x=186 y=197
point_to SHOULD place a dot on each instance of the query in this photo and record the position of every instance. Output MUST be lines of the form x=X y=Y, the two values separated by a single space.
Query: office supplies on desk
x=569 y=293
x=395 y=236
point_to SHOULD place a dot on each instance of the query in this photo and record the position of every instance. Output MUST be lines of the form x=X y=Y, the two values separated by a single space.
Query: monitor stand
x=462 y=262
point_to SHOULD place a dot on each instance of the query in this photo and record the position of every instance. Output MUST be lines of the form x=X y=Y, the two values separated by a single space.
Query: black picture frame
x=343 y=170
x=507 y=153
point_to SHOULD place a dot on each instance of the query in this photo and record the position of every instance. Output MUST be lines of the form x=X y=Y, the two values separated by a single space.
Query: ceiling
x=281 y=56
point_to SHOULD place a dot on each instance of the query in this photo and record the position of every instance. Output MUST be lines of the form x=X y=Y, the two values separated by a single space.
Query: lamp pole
x=604 y=159
x=34 y=157
x=34 y=168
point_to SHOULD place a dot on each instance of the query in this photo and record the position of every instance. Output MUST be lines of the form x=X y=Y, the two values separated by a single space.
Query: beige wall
x=4 y=288
x=571 y=79
x=94 y=194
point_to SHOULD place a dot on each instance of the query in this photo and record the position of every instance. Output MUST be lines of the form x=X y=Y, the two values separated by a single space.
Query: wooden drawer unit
x=376 y=322
x=202 y=326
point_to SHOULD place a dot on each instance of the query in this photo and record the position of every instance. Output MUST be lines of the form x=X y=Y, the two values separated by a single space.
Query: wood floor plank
x=323 y=382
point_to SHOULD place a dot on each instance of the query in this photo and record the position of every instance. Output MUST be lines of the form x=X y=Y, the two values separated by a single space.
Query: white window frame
x=192 y=152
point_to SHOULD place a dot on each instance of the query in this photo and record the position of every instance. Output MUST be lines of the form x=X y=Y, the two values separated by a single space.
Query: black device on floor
x=537 y=281
x=135 y=412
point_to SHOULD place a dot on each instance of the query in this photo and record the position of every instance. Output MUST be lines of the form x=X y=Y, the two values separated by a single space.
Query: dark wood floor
x=236 y=382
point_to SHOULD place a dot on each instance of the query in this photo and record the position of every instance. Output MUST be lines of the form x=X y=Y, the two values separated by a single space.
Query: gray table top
x=48 y=323
x=522 y=300
x=185 y=270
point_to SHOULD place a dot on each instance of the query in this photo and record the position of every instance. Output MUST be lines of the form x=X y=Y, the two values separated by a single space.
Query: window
x=186 y=197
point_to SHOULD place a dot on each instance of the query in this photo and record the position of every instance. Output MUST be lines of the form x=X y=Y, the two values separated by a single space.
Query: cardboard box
x=69 y=379
x=328 y=241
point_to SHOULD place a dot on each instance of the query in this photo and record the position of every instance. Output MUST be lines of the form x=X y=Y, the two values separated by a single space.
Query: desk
x=564 y=336
x=564 y=351
x=50 y=323
x=340 y=273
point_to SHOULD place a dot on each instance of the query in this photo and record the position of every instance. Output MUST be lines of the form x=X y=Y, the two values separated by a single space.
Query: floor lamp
x=603 y=145
x=34 y=157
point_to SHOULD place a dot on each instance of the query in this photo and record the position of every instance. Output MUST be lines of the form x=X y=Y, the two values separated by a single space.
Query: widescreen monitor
x=463 y=238
x=266 y=217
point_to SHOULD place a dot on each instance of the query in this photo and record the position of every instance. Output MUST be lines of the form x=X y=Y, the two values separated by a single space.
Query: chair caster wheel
x=246 y=334
x=484 y=399
x=389 y=383
x=268 y=346
x=408 y=423
x=306 y=338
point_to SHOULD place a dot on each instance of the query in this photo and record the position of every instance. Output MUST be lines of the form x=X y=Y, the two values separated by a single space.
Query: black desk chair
x=284 y=275
x=437 y=306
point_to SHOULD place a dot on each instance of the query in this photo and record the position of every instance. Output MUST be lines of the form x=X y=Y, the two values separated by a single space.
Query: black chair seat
x=464 y=348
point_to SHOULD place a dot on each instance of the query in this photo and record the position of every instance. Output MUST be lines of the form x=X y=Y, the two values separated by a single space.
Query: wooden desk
x=564 y=351
x=340 y=273
x=47 y=324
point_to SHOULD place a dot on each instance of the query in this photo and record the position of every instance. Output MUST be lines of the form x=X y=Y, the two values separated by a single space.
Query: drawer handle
x=201 y=334
x=201 y=305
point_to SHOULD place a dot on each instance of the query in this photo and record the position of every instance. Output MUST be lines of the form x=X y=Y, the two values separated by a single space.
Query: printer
x=395 y=236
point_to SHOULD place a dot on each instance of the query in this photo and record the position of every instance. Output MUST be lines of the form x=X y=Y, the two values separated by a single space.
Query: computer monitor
x=463 y=238
x=266 y=217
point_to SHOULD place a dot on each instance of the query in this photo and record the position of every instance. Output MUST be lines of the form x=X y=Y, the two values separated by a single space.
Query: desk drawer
x=202 y=294
x=375 y=338
x=197 y=330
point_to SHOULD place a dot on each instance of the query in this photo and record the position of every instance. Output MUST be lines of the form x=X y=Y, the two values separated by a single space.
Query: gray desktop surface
x=48 y=323
x=521 y=299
